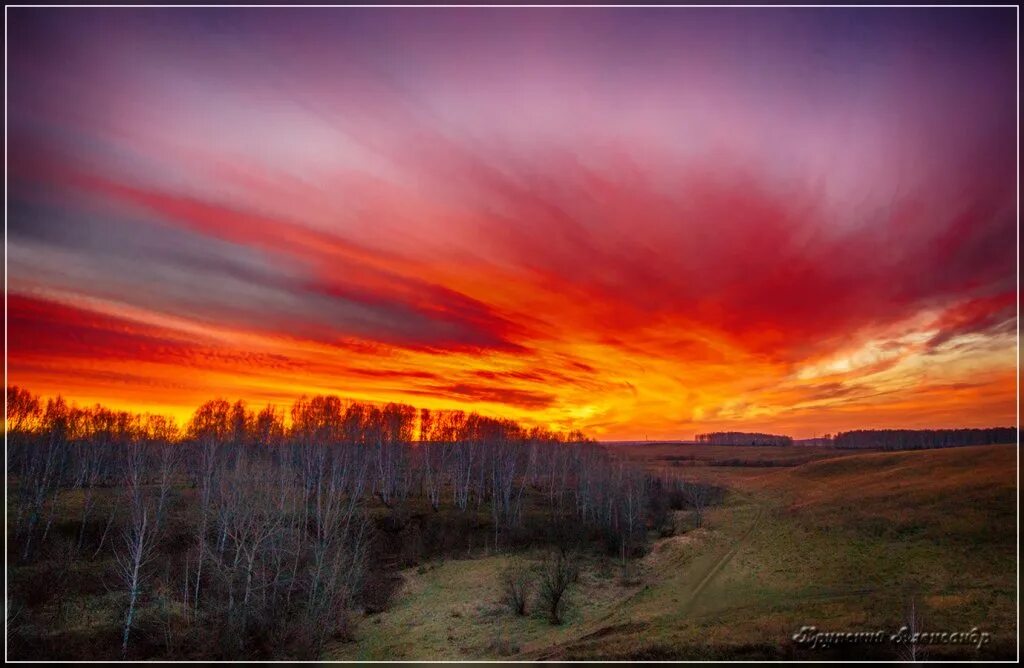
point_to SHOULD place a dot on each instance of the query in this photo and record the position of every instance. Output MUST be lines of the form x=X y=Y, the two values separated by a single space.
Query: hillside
x=843 y=543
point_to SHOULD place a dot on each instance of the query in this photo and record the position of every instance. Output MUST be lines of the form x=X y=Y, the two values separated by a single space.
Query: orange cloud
x=563 y=234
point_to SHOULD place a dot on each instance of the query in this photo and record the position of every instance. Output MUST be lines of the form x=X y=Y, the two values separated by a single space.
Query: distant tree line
x=269 y=547
x=919 y=439
x=742 y=438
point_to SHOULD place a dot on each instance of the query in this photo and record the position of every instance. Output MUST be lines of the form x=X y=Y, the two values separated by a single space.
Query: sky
x=642 y=223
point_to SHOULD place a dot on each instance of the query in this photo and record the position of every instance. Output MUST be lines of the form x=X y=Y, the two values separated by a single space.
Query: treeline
x=920 y=439
x=242 y=534
x=742 y=438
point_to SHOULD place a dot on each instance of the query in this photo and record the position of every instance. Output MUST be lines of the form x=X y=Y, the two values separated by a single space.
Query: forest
x=742 y=438
x=873 y=439
x=919 y=439
x=251 y=534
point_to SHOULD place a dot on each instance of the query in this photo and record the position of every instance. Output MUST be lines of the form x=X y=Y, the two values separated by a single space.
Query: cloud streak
x=633 y=221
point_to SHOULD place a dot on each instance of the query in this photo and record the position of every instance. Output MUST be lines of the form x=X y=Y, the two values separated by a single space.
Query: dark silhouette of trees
x=23 y=410
x=742 y=438
x=257 y=533
x=919 y=439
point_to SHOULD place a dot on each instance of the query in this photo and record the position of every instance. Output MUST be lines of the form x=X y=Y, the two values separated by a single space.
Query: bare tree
x=250 y=513
x=462 y=474
x=912 y=624
x=167 y=457
x=515 y=587
x=504 y=460
x=281 y=518
x=40 y=482
x=22 y=410
x=557 y=573
x=138 y=540
x=436 y=457
x=210 y=428
x=88 y=454
x=698 y=496
x=631 y=507
x=339 y=541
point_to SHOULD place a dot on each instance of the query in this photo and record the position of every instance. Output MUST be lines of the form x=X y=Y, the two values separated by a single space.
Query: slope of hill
x=842 y=543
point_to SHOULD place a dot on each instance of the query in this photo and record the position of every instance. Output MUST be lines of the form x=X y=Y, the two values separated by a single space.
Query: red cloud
x=976 y=316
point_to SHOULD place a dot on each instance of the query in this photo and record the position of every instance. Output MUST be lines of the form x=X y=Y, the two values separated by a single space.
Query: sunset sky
x=640 y=223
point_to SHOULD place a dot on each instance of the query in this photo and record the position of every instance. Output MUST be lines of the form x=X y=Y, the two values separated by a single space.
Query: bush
x=515 y=586
x=557 y=573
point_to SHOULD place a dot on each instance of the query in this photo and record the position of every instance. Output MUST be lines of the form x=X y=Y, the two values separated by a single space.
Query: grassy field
x=685 y=454
x=843 y=541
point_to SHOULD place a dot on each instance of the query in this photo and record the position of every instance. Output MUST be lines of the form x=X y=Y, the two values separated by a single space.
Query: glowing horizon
x=637 y=223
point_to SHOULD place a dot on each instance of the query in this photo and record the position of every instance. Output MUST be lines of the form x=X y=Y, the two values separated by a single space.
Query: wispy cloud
x=630 y=221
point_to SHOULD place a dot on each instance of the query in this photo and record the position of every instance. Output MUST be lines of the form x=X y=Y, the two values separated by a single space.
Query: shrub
x=557 y=573
x=515 y=586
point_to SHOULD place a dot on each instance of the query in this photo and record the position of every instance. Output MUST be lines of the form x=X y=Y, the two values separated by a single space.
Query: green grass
x=840 y=543
x=452 y=610
x=847 y=554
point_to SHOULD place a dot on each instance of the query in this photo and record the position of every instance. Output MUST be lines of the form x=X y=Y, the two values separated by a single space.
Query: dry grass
x=453 y=610
x=840 y=541
x=684 y=455
x=837 y=542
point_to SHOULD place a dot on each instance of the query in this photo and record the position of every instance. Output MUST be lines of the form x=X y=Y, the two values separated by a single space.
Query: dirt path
x=605 y=626
x=722 y=561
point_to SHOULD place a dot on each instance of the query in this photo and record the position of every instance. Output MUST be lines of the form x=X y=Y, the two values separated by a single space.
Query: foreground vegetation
x=368 y=532
x=842 y=541
x=243 y=536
